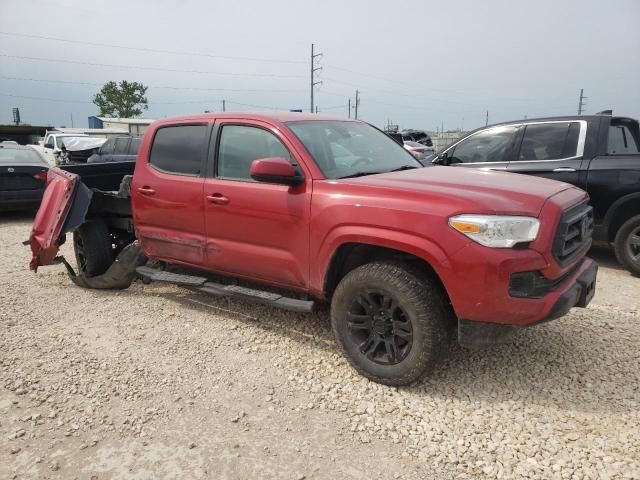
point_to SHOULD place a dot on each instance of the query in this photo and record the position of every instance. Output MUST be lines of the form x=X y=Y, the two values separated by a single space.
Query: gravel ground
x=158 y=382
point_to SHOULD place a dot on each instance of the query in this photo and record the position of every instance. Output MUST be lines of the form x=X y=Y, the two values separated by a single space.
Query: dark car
x=23 y=176
x=598 y=153
x=117 y=149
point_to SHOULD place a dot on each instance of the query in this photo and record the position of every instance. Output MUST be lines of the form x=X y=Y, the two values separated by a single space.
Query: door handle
x=146 y=191
x=564 y=169
x=217 y=198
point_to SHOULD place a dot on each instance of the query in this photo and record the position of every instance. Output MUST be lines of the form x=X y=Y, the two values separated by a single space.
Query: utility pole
x=486 y=119
x=581 y=104
x=316 y=108
x=224 y=105
x=349 y=109
x=314 y=69
x=357 y=103
x=71 y=114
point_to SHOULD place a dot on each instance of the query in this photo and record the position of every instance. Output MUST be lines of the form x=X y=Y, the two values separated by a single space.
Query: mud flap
x=119 y=275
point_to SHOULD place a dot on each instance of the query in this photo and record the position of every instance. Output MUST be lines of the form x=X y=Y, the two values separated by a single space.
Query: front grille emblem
x=10 y=170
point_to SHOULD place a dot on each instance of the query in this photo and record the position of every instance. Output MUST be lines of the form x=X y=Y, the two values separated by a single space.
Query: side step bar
x=201 y=284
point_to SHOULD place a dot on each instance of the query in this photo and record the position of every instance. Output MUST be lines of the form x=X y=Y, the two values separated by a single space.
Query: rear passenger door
x=134 y=146
x=488 y=149
x=552 y=150
x=166 y=191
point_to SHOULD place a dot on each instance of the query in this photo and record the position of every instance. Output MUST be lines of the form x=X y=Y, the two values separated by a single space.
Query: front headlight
x=495 y=230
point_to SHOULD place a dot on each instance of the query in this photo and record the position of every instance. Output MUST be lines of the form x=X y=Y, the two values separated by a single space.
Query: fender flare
x=615 y=206
x=420 y=247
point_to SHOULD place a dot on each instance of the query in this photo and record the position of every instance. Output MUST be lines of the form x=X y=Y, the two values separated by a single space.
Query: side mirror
x=48 y=146
x=275 y=170
x=441 y=159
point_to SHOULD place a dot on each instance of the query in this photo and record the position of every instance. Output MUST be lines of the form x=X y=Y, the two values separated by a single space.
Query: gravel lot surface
x=158 y=382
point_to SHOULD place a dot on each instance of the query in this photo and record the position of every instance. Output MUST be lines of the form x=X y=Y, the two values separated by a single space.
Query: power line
x=151 y=50
x=153 y=86
x=60 y=100
x=158 y=69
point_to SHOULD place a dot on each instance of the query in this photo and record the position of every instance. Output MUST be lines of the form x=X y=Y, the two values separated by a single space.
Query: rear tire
x=93 y=248
x=391 y=321
x=627 y=245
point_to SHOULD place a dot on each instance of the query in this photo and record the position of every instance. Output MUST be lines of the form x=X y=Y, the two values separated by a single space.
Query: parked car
x=52 y=146
x=598 y=153
x=419 y=136
x=421 y=152
x=117 y=149
x=23 y=176
x=402 y=253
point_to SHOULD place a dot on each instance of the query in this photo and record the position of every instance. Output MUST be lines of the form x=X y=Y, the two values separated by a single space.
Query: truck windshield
x=345 y=149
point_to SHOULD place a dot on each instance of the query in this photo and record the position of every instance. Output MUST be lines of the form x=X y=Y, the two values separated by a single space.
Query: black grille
x=573 y=237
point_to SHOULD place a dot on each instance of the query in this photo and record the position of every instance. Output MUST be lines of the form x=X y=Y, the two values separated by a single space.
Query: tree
x=125 y=100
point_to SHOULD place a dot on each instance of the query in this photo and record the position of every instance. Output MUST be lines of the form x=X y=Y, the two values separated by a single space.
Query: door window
x=179 y=149
x=490 y=145
x=134 y=146
x=121 y=146
x=240 y=145
x=49 y=143
x=550 y=141
x=107 y=147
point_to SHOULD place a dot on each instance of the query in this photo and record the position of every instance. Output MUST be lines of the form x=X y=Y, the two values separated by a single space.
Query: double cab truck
x=293 y=210
x=598 y=153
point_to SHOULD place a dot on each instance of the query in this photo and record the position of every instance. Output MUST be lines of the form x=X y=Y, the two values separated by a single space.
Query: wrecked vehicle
x=313 y=208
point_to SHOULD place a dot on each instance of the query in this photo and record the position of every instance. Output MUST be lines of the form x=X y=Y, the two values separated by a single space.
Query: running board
x=201 y=284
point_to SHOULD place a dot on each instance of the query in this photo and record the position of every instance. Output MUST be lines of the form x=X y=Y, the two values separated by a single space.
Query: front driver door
x=255 y=230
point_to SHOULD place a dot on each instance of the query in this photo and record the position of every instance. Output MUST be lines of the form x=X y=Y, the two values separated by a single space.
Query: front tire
x=627 y=245
x=93 y=247
x=391 y=321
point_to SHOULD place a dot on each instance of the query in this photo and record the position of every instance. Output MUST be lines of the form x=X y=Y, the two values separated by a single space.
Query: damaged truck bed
x=69 y=203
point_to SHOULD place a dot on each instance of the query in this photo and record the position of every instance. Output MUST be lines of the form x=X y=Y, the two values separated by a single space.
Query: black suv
x=598 y=153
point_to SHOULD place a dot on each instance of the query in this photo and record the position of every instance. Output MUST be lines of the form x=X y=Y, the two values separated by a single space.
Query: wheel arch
x=619 y=212
x=351 y=252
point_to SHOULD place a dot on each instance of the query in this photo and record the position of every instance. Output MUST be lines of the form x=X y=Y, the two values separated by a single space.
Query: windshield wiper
x=403 y=167
x=359 y=174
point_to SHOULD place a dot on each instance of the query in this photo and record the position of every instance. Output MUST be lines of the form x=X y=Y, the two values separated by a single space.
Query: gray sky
x=416 y=63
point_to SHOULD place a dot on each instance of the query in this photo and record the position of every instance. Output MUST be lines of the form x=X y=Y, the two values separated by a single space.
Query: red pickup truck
x=314 y=209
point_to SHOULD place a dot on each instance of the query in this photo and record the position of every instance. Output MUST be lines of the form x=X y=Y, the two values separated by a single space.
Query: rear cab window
x=179 y=149
x=621 y=140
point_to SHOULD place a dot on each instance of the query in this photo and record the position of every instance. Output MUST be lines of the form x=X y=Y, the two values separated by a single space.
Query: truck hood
x=487 y=191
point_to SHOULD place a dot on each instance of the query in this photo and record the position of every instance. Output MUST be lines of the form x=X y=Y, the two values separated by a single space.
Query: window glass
x=487 y=146
x=122 y=143
x=550 y=141
x=621 y=140
x=107 y=147
x=134 y=146
x=49 y=142
x=179 y=149
x=342 y=148
x=22 y=155
x=241 y=145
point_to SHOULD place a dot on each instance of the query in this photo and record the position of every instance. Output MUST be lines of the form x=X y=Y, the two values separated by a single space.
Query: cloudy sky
x=420 y=64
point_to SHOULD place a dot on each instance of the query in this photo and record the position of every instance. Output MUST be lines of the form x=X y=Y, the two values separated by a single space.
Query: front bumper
x=575 y=291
